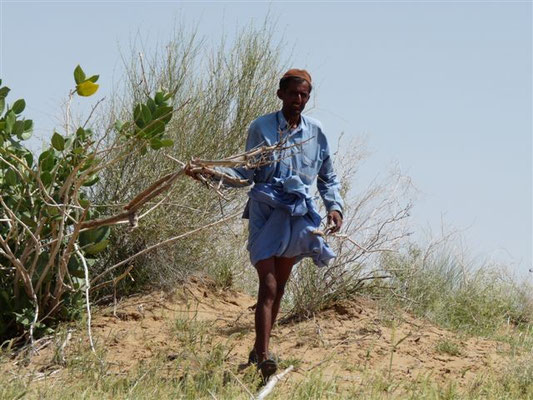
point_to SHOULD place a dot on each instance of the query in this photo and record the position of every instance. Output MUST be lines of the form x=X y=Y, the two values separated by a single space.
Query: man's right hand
x=188 y=170
x=202 y=172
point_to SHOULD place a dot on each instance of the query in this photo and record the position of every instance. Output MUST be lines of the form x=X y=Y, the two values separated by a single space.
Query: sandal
x=267 y=368
x=253 y=358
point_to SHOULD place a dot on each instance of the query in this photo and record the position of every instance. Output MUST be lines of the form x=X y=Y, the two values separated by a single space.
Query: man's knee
x=268 y=289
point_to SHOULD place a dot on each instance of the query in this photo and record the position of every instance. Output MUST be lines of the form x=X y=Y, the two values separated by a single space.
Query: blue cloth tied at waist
x=282 y=217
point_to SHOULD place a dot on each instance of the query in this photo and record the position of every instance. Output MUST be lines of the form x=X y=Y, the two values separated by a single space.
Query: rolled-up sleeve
x=327 y=183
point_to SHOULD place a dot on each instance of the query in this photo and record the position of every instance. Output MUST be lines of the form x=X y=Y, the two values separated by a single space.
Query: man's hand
x=334 y=221
x=198 y=175
x=188 y=170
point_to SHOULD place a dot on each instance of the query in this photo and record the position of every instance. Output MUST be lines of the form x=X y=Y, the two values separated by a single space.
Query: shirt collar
x=283 y=122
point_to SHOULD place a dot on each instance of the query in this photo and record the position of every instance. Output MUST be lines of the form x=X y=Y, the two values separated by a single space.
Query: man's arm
x=329 y=187
x=253 y=140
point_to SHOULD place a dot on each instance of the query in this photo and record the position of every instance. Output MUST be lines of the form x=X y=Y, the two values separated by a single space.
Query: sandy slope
x=350 y=340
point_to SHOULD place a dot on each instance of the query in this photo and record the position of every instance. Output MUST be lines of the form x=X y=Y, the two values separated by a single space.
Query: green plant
x=449 y=347
x=50 y=231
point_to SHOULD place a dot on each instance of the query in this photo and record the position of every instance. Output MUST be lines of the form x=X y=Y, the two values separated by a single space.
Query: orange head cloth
x=299 y=73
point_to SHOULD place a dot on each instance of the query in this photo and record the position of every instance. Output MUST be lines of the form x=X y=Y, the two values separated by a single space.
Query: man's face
x=295 y=97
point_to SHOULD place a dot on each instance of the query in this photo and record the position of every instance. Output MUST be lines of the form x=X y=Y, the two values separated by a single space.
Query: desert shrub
x=49 y=229
x=439 y=284
x=217 y=93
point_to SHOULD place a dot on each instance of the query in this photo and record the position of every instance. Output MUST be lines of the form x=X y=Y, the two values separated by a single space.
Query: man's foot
x=253 y=358
x=267 y=368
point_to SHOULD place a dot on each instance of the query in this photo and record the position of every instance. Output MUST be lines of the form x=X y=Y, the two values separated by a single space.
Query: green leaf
x=93 y=78
x=88 y=162
x=146 y=113
x=96 y=248
x=58 y=142
x=151 y=105
x=159 y=98
x=46 y=178
x=2 y=104
x=95 y=235
x=153 y=129
x=18 y=128
x=75 y=267
x=25 y=135
x=137 y=116
x=91 y=180
x=167 y=142
x=164 y=114
x=48 y=161
x=28 y=125
x=19 y=106
x=44 y=155
x=84 y=203
x=81 y=133
x=78 y=150
x=11 y=177
x=52 y=211
x=29 y=158
x=4 y=91
x=156 y=144
x=79 y=75
x=10 y=121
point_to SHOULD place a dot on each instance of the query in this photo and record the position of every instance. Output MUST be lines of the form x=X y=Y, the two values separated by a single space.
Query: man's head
x=294 y=91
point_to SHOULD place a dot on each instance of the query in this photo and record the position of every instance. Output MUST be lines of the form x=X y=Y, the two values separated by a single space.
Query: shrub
x=222 y=90
x=49 y=229
x=440 y=285
x=374 y=223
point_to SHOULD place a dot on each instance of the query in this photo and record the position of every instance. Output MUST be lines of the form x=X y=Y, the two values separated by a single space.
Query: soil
x=351 y=339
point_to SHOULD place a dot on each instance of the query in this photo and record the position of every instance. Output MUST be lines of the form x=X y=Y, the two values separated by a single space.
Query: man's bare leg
x=283 y=267
x=266 y=271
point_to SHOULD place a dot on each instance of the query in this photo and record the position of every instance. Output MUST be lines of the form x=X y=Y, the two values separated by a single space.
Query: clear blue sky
x=442 y=88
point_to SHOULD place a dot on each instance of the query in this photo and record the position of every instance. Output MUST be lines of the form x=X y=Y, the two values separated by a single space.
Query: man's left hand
x=334 y=221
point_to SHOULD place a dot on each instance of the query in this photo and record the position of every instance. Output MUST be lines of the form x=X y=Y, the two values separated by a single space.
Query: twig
x=61 y=351
x=242 y=385
x=272 y=382
x=92 y=112
x=87 y=302
x=114 y=281
x=164 y=243
x=143 y=74
x=35 y=317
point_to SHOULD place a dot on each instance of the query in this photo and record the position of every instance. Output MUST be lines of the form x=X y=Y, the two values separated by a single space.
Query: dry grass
x=192 y=345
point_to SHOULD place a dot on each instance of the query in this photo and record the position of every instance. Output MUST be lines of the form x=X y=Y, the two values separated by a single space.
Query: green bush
x=48 y=227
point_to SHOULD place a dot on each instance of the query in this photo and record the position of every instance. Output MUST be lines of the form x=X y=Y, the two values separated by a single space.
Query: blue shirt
x=281 y=213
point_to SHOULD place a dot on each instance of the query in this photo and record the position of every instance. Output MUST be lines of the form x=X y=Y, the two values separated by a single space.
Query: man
x=282 y=215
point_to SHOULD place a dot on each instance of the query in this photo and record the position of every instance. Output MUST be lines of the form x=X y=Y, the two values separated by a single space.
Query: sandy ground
x=345 y=343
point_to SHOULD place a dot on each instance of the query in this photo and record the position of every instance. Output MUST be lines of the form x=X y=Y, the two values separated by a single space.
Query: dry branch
x=272 y=382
